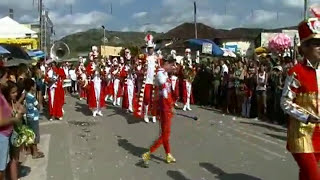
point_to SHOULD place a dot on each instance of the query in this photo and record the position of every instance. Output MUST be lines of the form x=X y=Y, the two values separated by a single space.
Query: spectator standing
x=32 y=107
x=261 y=90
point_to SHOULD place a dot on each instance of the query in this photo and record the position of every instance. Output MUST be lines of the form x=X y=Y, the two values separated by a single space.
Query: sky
x=70 y=16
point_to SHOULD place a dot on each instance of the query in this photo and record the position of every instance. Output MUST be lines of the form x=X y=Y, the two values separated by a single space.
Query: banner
x=233 y=48
x=207 y=48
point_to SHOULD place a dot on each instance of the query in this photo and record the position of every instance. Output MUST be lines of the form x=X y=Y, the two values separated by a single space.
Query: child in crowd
x=32 y=107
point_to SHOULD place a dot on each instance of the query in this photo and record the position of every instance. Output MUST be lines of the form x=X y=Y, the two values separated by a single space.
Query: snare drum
x=67 y=83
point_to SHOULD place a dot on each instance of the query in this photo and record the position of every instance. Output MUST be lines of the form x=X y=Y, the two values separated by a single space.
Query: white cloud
x=68 y=24
x=139 y=15
x=261 y=16
x=125 y=29
x=26 y=18
x=292 y=3
x=218 y=20
x=120 y=2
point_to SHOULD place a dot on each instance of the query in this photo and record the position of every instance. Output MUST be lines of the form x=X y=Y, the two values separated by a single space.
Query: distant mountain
x=83 y=41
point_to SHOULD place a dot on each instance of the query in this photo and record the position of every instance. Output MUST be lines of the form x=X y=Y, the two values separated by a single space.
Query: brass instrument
x=189 y=73
x=59 y=50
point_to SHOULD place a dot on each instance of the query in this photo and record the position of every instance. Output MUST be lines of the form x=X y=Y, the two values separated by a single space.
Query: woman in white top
x=261 y=91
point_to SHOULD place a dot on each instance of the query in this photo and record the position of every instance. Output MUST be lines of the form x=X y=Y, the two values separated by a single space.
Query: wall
x=266 y=36
x=244 y=47
x=107 y=51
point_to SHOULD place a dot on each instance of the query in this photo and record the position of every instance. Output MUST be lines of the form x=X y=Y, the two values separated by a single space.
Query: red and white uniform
x=83 y=81
x=128 y=89
x=109 y=82
x=164 y=104
x=187 y=96
x=55 y=77
x=96 y=95
x=118 y=76
x=300 y=100
x=144 y=105
x=175 y=87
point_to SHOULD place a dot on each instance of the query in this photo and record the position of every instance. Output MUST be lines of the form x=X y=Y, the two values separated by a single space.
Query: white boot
x=188 y=105
x=146 y=118
x=99 y=113
x=94 y=113
x=154 y=119
x=114 y=101
x=185 y=107
x=118 y=101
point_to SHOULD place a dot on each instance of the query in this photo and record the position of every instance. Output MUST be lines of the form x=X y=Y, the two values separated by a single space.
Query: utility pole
x=195 y=20
x=41 y=24
x=305 y=9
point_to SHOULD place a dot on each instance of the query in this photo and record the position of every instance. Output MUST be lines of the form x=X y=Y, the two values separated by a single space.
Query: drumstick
x=195 y=118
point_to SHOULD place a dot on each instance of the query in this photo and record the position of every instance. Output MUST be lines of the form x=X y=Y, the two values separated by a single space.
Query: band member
x=300 y=100
x=116 y=70
x=109 y=81
x=128 y=88
x=164 y=113
x=144 y=106
x=188 y=74
x=174 y=79
x=54 y=79
x=139 y=72
x=96 y=95
x=94 y=54
x=82 y=80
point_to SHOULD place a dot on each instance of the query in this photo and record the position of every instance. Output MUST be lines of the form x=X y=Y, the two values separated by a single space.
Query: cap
x=149 y=41
x=278 y=68
x=309 y=29
x=188 y=50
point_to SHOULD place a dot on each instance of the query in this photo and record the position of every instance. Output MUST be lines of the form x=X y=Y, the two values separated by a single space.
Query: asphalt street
x=216 y=147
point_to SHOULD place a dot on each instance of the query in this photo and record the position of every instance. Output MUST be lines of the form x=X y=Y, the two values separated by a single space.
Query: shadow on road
x=222 y=175
x=176 y=175
x=272 y=128
x=128 y=116
x=283 y=138
x=24 y=171
x=135 y=150
x=83 y=108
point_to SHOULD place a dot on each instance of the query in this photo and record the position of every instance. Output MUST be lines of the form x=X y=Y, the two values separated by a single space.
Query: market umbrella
x=16 y=62
x=197 y=44
x=36 y=53
x=4 y=50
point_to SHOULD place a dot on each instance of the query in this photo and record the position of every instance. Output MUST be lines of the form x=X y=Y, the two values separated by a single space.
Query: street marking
x=261 y=148
x=51 y=123
x=257 y=137
x=39 y=166
x=255 y=145
x=256 y=133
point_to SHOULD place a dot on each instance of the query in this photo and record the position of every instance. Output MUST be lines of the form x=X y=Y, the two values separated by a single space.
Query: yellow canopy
x=31 y=43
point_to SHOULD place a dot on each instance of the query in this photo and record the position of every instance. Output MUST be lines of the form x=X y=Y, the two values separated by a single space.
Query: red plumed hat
x=310 y=28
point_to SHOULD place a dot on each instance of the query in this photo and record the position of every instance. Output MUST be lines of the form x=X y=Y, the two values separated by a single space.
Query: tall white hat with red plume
x=149 y=41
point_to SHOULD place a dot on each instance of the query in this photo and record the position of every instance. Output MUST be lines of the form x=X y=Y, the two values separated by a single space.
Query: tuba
x=59 y=50
x=188 y=71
